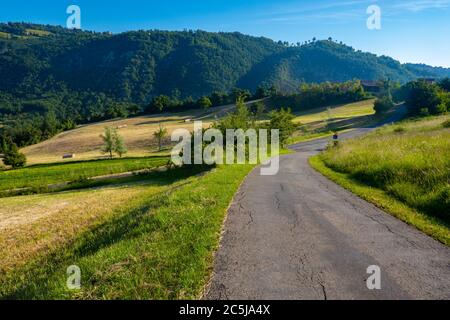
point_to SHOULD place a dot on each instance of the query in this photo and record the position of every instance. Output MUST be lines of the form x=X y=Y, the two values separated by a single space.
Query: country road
x=298 y=235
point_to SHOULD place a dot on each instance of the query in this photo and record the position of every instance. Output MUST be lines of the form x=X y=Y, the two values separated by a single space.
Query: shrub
x=384 y=104
x=424 y=112
x=14 y=158
x=420 y=95
x=282 y=120
x=399 y=130
x=440 y=109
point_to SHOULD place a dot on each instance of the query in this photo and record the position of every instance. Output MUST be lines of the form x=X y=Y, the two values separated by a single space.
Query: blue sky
x=412 y=30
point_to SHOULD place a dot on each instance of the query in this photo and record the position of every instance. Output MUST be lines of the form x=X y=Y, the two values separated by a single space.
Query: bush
x=282 y=120
x=440 y=109
x=446 y=124
x=421 y=96
x=384 y=104
x=399 y=130
x=424 y=112
x=14 y=158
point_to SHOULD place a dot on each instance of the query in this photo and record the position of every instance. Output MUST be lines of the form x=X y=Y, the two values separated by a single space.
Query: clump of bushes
x=14 y=158
x=423 y=98
x=383 y=104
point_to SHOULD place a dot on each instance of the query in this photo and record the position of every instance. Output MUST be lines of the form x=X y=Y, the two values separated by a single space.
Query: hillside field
x=85 y=141
x=351 y=110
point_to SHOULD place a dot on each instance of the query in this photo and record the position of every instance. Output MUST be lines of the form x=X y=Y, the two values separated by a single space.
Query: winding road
x=298 y=236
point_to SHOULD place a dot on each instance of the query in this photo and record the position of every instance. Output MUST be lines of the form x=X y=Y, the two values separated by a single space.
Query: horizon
x=410 y=30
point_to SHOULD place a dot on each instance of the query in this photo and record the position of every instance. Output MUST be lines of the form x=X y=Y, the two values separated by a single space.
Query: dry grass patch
x=32 y=225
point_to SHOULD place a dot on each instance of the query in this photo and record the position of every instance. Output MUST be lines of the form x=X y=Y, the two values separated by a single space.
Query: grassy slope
x=153 y=247
x=319 y=123
x=85 y=142
x=31 y=225
x=404 y=169
x=43 y=175
x=357 y=109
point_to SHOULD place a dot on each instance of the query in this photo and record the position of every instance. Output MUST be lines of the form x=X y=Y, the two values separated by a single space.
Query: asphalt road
x=298 y=235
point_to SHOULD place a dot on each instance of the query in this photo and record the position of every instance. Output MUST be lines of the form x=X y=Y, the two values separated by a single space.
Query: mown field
x=40 y=176
x=409 y=162
x=152 y=241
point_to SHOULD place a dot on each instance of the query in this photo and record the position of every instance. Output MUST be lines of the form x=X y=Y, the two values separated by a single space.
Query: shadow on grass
x=106 y=160
x=34 y=280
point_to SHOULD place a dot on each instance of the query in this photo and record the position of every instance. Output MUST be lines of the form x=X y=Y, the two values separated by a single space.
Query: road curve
x=298 y=236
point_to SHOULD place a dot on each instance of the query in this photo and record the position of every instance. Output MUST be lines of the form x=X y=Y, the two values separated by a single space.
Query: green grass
x=351 y=110
x=404 y=168
x=40 y=176
x=323 y=122
x=309 y=136
x=5 y=35
x=36 y=32
x=155 y=247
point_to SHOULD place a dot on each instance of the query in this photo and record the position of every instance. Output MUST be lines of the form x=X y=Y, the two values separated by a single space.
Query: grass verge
x=410 y=179
x=313 y=136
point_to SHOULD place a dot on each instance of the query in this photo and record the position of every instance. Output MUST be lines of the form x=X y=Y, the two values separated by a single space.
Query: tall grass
x=409 y=161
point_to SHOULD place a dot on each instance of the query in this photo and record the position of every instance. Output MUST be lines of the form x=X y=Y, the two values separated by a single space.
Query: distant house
x=372 y=86
x=69 y=156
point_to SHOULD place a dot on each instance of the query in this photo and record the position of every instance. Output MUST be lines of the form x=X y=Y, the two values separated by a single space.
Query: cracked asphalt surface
x=298 y=236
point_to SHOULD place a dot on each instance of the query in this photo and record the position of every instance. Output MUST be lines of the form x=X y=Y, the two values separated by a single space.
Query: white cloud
x=337 y=10
x=421 y=5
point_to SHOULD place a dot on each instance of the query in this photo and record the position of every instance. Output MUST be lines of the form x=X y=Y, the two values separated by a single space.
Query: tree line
x=422 y=97
x=315 y=95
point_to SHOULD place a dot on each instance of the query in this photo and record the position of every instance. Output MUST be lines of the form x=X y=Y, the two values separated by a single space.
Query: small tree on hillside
x=282 y=120
x=205 y=103
x=14 y=158
x=329 y=116
x=108 y=141
x=160 y=135
x=119 y=145
x=3 y=144
x=113 y=142
x=258 y=110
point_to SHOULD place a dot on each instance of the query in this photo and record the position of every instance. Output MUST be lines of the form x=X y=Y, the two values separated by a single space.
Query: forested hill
x=36 y=60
